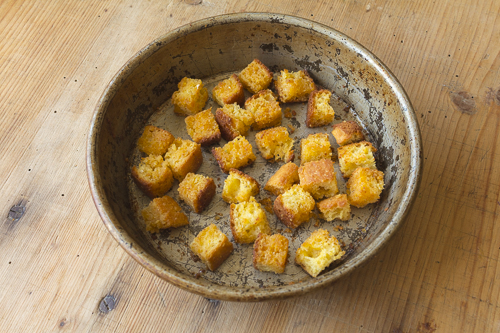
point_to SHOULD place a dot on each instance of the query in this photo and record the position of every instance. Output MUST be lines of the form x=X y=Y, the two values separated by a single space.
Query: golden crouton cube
x=229 y=91
x=183 y=157
x=364 y=186
x=275 y=143
x=197 y=191
x=283 y=179
x=239 y=187
x=256 y=77
x=294 y=86
x=319 y=110
x=336 y=207
x=294 y=206
x=233 y=121
x=265 y=108
x=155 y=141
x=270 y=253
x=163 y=213
x=315 y=147
x=319 y=179
x=356 y=155
x=212 y=247
x=317 y=252
x=190 y=98
x=235 y=154
x=203 y=128
x=153 y=176
x=248 y=219
x=347 y=132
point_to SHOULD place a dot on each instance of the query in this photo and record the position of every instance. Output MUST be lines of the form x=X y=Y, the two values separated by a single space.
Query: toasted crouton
x=256 y=77
x=347 y=132
x=294 y=86
x=270 y=253
x=212 y=247
x=364 y=187
x=203 y=128
x=356 y=155
x=235 y=154
x=229 y=91
x=319 y=111
x=155 y=141
x=190 y=98
x=163 y=213
x=294 y=206
x=275 y=143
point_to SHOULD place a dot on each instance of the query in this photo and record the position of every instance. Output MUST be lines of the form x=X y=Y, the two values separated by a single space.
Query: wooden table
x=439 y=273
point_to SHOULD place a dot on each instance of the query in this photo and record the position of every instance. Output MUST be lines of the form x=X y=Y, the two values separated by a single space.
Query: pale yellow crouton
x=275 y=143
x=265 y=109
x=283 y=179
x=319 y=179
x=203 y=128
x=212 y=247
x=347 y=132
x=229 y=91
x=183 y=157
x=197 y=191
x=239 y=187
x=153 y=176
x=294 y=86
x=356 y=155
x=256 y=77
x=364 y=187
x=318 y=252
x=319 y=110
x=248 y=219
x=190 y=98
x=294 y=206
x=233 y=121
x=270 y=253
x=336 y=207
x=315 y=147
x=163 y=213
x=155 y=141
x=235 y=154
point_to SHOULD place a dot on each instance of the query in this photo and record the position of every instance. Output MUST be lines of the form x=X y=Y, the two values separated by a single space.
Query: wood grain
x=439 y=273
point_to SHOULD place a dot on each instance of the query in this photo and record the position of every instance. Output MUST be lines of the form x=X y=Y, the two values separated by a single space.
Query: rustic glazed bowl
x=211 y=50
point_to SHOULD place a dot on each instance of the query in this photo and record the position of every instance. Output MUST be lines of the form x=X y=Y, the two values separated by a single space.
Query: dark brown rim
x=201 y=286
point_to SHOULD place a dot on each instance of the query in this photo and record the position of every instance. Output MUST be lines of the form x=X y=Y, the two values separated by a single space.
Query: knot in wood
x=107 y=304
x=16 y=212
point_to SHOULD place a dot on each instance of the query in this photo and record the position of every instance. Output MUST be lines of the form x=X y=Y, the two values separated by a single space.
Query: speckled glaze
x=210 y=50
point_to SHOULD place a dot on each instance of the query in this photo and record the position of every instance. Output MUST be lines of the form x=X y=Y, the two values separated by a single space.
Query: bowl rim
x=201 y=286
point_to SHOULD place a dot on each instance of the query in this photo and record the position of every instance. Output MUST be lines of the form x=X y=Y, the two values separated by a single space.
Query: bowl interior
x=211 y=50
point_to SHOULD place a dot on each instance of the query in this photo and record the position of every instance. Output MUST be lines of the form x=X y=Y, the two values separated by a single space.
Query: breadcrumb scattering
x=317 y=252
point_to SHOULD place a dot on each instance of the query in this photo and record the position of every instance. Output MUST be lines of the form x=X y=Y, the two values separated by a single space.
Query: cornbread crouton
x=319 y=179
x=315 y=147
x=283 y=179
x=163 y=213
x=183 y=157
x=248 y=219
x=155 y=141
x=233 y=121
x=235 y=154
x=294 y=86
x=275 y=143
x=270 y=253
x=265 y=109
x=364 y=186
x=319 y=110
x=203 y=128
x=256 y=77
x=347 y=132
x=294 y=206
x=239 y=187
x=190 y=98
x=212 y=247
x=336 y=207
x=197 y=191
x=153 y=176
x=356 y=155
x=317 y=252
x=229 y=91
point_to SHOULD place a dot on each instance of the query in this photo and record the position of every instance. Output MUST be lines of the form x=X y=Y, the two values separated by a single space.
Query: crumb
x=288 y=231
x=292 y=129
x=288 y=113
x=294 y=113
x=268 y=205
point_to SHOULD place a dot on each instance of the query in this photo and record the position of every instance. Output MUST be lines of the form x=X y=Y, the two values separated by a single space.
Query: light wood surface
x=439 y=273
